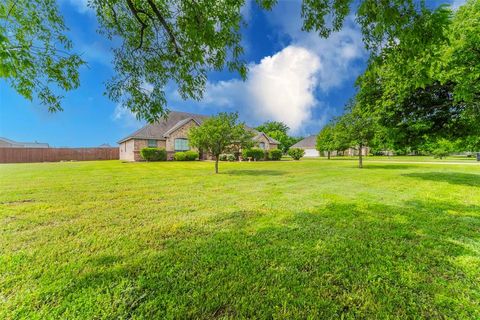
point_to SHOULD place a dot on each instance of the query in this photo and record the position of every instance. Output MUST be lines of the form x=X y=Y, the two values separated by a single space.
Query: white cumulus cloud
x=280 y=87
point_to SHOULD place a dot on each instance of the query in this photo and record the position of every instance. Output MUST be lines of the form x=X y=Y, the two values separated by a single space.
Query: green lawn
x=308 y=239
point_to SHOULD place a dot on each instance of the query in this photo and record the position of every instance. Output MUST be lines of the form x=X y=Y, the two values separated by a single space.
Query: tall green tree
x=428 y=90
x=35 y=55
x=221 y=134
x=326 y=139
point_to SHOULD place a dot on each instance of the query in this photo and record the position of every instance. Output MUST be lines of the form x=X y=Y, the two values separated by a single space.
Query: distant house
x=172 y=134
x=7 y=143
x=309 y=145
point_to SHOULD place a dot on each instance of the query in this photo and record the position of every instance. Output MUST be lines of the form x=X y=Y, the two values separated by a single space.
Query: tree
x=279 y=131
x=358 y=127
x=326 y=139
x=221 y=134
x=169 y=42
x=175 y=42
x=430 y=90
x=35 y=54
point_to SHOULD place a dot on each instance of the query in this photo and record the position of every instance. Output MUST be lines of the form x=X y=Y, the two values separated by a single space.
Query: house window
x=181 y=145
x=152 y=143
x=262 y=145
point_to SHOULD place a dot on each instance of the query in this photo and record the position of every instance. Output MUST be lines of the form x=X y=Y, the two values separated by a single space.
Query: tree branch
x=165 y=25
x=143 y=24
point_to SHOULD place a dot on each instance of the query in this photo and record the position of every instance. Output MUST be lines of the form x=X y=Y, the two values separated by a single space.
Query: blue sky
x=295 y=77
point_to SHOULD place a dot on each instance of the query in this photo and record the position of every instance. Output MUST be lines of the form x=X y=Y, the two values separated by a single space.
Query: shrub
x=440 y=153
x=275 y=154
x=191 y=155
x=180 y=156
x=254 y=153
x=227 y=157
x=153 y=154
x=186 y=156
x=296 y=153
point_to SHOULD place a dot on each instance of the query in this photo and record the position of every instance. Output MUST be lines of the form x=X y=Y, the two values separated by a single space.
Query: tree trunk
x=328 y=155
x=216 y=164
x=360 y=159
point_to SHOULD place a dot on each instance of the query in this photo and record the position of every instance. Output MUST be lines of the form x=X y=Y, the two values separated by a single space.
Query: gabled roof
x=179 y=124
x=259 y=134
x=162 y=129
x=307 y=143
x=159 y=129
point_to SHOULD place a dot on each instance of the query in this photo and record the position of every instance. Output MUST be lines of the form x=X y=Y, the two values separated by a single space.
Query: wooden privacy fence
x=15 y=155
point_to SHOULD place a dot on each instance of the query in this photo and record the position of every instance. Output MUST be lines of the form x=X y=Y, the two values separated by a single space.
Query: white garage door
x=311 y=153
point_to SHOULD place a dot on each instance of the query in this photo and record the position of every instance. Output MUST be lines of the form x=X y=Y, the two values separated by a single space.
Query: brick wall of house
x=182 y=133
x=263 y=139
x=139 y=144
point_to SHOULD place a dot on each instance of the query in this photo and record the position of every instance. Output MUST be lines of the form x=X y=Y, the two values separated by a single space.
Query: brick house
x=172 y=134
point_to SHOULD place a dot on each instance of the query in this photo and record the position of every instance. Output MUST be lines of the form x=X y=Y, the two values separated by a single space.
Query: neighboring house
x=309 y=144
x=7 y=143
x=172 y=134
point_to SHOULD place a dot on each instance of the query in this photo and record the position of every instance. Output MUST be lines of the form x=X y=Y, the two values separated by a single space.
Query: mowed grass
x=309 y=239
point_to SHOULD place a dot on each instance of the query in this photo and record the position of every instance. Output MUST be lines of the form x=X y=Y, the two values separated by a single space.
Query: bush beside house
x=227 y=157
x=153 y=154
x=296 y=153
x=254 y=153
x=275 y=154
x=186 y=156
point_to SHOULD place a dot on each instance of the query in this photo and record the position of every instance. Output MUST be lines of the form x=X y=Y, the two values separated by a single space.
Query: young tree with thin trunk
x=220 y=134
x=358 y=127
x=326 y=139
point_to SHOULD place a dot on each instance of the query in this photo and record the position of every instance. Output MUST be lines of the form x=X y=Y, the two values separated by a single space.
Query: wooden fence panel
x=25 y=155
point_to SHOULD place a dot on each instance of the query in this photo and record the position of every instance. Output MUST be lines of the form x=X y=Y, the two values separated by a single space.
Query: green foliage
x=191 y=155
x=275 y=154
x=221 y=134
x=185 y=156
x=425 y=85
x=165 y=42
x=253 y=153
x=180 y=156
x=271 y=126
x=326 y=139
x=153 y=154
x=35 y=56
x=296 y=153
x=279 y=131
x=227 y=157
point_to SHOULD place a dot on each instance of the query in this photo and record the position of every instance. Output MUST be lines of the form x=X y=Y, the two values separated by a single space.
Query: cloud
x=126 y=117
x=280 y=87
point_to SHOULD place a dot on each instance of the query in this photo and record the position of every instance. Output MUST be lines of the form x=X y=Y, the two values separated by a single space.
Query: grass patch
x=289 y=239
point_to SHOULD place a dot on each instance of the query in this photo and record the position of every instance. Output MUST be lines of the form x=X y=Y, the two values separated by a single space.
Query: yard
x=317 y=238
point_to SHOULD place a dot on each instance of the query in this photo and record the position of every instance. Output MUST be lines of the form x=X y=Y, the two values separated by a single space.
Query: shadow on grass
x=351 y=260
x=370 y=166
x=255 y=172
x=465 y=179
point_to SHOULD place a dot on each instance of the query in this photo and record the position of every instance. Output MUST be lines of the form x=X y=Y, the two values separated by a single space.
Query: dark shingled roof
x=307 y=143
x=158 y=130
x=176 y=119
